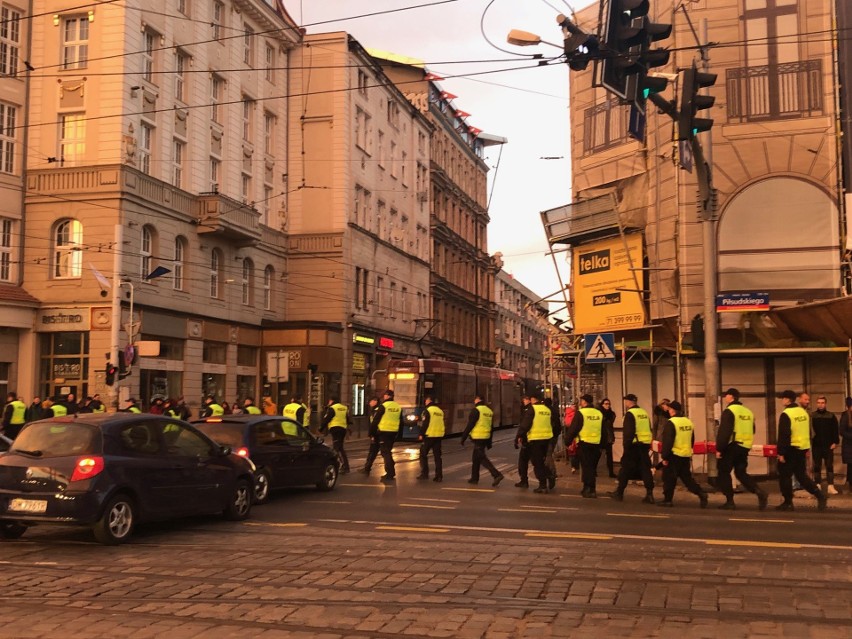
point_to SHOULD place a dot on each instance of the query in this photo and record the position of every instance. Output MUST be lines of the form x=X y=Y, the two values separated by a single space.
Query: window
x=181 y=65
x=364 y=288
x=146 y=134
x=148 y=39
x=392 y=303
x=393 y=159
x=5 y=250
x=246 y=188
x=393 y=113
x=10 y=41
x=248 y=282
x=217 y=91
x=215 y=168
x=72 y=138
x=178 y=264
x=268 y=133
x=362 y=129
x=404 y=303
x=357 y=287
x=218 y=19
x=183 y=7
x=247 y=355
x=381 y=150
x=402 y=169
x=8 y=122
x=68 y=251
x=183 y=442
x=178 y=152
x=363 y=81
x=268 y=277
x=214 y=352
x=267 y=205
x=248 y=45
x=248 y=110
x=75 y=42
x=215 y=273
x=146 y=251
x=380 y=282
x=270 y=63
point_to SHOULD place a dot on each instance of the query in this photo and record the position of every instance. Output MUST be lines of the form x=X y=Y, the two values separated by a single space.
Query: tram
x=453 y=385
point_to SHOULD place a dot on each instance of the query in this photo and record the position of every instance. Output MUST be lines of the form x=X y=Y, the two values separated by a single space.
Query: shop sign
x=733 y=302
x=386 y=342
x=295 y=359
x=357 y=338
x=62 y=319
x=359 y=362
x=66 y=369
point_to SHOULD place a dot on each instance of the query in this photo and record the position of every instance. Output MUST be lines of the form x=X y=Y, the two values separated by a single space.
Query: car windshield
x=223 y=434
x=58 y=439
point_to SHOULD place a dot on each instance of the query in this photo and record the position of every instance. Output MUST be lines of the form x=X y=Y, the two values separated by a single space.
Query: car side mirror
x=224 y=451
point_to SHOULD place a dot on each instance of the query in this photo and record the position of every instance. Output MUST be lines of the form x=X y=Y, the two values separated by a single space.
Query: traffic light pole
x=115 y=326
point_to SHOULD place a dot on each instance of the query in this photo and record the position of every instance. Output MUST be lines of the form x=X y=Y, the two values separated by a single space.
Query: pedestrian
x=479 y=424
x=131 y=406
x=226 y=408
x=824 y=439
x=249 y=408
x=211 y=408
x=86 y=406
x=336 y=421
x=678 y=439
x=170 y=408
x=385 y=428
x=608 y=433
x=269 y=407
x=549 y=460
x=523 y=448
x=35 y=411
x=846 y=433
x=794 y=442
x=572 y=459
x=156 y=407
x=70 y=404
x=48 y=406
x=96 y=404
x=586 y=426
x=14 y=415
x=373 y=451
x=660 y=417
x=432 y=432
x=183 y=409
x=636 y=441
x=733 y=443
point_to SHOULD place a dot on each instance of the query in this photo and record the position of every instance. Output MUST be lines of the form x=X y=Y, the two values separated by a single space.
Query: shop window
x=246 y=356
x=64 y=363
x=214 y=353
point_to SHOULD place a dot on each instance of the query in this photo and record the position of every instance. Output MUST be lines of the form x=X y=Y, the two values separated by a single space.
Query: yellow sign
x=605 y=288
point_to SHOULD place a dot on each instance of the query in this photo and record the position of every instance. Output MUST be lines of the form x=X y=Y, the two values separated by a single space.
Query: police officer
x=14 y=415
x=537 y=428
x=132 y=406
x=432 y=432
x=678 y=439
x=211 y=408
x=385 y=428
x=636 y=440
x=249 y=408
x=59 y=409
x=295 y=411
x=96 y=404
x=523 y=447
x=587 y=425
x=549 y=460
x=336 y=420
x=479 y=424
x=794 y=442
x=373 y=451
x=733 y=442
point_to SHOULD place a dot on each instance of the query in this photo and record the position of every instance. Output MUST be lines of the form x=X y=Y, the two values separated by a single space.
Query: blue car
x=110 y=472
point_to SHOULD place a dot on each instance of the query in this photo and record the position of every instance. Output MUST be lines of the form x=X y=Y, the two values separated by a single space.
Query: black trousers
x=386 y=441
x=433 y=444
x=372 y=453
x=338 y=435
x=480 y=458
x=795 y=465
x=590 y=455
x=636 y=461
x=823 y=453
x=538 y=454
x=679 y=468
x=735 y=458
x=606 y=449
x=524 y=462
x=11 y=431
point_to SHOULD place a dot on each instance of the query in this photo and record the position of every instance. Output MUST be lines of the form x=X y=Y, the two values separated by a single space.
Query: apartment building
x=776 y=166
x=156 y=138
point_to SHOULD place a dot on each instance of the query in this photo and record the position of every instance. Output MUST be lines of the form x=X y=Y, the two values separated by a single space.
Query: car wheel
x=12 y=530
x=329 y=477
x=239 y=505
x=261 y=487
x=116 y=524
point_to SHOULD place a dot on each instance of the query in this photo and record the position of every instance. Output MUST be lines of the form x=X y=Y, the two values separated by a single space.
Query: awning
x=826 y=321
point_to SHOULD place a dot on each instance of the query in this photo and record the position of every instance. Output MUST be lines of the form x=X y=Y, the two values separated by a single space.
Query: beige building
x=776 y=159
x=156 y=138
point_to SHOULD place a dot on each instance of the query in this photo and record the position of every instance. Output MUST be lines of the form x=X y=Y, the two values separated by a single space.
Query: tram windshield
x=405 y=392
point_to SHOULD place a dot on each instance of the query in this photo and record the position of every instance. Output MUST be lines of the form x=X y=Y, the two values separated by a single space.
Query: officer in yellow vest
x=211 y=408
x=794 y=442
x=132 y=407
x=733 y=442
x=14 y=416
x=678 y=439
x=295 y=411
x=249 y=408
x=96 y=404
x=385 y=428
x=537 y=429
x=336 y=420
x=432 y=430
x=587 y=424
x=58 y=409
x=636 y=439
x=479 y=424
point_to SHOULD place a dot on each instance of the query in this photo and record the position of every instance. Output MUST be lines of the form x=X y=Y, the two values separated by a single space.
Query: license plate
x=28 y=505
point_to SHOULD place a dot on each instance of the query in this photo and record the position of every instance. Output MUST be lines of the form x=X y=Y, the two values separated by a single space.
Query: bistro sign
x=64 y=319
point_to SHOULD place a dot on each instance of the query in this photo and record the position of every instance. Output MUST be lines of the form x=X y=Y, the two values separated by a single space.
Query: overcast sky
x=528 y=106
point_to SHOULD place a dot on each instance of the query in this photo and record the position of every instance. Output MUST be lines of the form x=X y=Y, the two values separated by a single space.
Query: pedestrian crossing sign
x=600 y=348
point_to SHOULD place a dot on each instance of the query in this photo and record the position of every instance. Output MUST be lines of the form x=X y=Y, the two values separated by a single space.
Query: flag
x=448 y=96
x=474 y=131
x=462 y=114
x=433 y=77
x=103 y=282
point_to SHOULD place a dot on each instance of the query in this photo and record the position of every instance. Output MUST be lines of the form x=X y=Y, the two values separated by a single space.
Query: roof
x=12 y=293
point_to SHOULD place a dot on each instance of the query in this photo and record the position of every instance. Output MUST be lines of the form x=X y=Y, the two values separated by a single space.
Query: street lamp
x=526 y=39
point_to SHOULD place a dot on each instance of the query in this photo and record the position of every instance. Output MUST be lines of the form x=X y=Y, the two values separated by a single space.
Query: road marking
x=471 y=490
x=637 y=516
x=274 y=525
x=528 y=510
x=444 y=501
x=568 y=536
x=761 y=544
x=413 y=529
x=322 y=501
x=365 y=485
x=552 y=507
x=433 y=506
x=767 y=521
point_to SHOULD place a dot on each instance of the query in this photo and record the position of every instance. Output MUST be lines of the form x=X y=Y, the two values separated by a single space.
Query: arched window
x=180 y=256
x=146 y=251
x=67 y=249
x=215 y=269
x=268 y=277
x=248 y=282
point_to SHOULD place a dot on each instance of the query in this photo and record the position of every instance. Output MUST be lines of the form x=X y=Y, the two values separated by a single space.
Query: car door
x=152 y=475
x=271 y=450
x=201 y=479
x=298 y=444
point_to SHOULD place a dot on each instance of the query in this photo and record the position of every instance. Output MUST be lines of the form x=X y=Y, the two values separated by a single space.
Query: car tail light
x=242 y=452
x=87 y=467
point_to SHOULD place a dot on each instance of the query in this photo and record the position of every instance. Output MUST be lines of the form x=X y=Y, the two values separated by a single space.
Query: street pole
x=115 y=326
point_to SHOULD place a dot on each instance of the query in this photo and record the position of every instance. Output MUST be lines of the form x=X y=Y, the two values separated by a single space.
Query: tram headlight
x=411 y=418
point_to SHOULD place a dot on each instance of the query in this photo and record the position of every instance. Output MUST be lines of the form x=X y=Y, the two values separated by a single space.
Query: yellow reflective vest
x=800 y=427
x=389 y=423
x=252 y=410
x=215 y=409
x=290 y=410
x=683 y=436
x=643 y=425
x=339 y=419
x=541 y=425
x=436 y=426
x=59 y=410
x=743 y=425
x=482 y=428
x=19 y=411
x=592 y=423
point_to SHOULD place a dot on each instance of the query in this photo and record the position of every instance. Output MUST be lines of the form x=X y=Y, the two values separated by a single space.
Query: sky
x=519 y=100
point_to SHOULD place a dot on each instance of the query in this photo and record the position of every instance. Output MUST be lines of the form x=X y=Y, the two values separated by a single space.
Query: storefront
x=63 y=347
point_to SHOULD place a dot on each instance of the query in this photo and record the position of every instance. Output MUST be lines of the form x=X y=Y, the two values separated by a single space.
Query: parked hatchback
x=283 y=452
x=110 y=472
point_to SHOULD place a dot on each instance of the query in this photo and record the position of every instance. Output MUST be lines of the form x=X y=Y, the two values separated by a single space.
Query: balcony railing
x=775 y=91
x=581 y=221
x=234 y=220
x=605 y=126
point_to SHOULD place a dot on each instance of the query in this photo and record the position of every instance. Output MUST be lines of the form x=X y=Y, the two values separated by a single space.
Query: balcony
x=605 y=126
x=232 y=220
x=581 y=221
x=775 y=92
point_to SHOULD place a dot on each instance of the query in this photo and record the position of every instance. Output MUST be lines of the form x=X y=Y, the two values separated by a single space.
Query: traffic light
x=691 y=102
x=580 y=47
x=111 y=370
